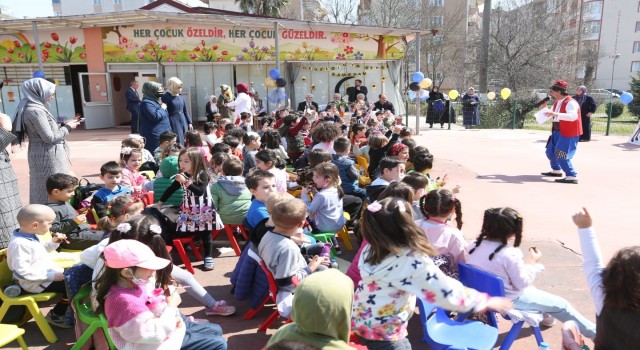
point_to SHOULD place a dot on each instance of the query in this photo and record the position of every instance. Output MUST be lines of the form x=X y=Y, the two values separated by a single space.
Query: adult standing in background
x=565 y=133
x=242 y=103
x=48 y=152
x=470 y=113
x=9 y=196
x=154 y=118
x=352 y=92
x=435 y=107
x=211 y=108
x=179 y=117
x=226 y=96
x=133 y=105
x=587 y=108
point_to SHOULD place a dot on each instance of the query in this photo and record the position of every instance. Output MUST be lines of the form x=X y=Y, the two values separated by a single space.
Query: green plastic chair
x=82 y=304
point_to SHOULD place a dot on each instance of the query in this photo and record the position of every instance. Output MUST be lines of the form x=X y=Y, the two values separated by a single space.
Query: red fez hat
x=560 y=84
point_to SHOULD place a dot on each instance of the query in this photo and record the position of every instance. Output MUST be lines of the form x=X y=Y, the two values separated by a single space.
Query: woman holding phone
x=48 y=151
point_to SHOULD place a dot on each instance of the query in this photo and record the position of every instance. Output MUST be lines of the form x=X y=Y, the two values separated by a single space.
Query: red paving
x=494 y=168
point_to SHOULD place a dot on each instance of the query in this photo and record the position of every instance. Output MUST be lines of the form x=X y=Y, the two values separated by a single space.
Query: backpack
x=83 y=194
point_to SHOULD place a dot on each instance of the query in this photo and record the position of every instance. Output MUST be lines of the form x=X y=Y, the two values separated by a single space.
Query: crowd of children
x=364 y=166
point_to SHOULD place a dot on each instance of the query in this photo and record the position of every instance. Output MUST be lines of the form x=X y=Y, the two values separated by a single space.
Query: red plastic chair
x=228 y=229
x=179 y=243
x=273 y=292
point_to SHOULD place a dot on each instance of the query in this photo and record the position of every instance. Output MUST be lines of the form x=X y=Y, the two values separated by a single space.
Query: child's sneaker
x=326 y=251
x=57 y=321
x=197 y=320
x=548 y=321
x=208 y=264
x=220 y=309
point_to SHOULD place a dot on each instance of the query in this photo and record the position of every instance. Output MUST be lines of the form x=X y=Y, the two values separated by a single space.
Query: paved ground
x=494 y=168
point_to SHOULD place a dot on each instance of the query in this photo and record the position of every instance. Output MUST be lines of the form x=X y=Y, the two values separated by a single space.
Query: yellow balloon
x=505 y=93
x=425 y=83
x=491 y=95
x=271 y=83
x=453 y=94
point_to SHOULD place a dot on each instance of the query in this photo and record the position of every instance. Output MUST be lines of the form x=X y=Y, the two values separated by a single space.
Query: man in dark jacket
x=308 y=103
x=384 y=105
x=587 y=108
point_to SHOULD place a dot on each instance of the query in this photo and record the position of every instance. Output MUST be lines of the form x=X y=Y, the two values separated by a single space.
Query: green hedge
x=614 y=109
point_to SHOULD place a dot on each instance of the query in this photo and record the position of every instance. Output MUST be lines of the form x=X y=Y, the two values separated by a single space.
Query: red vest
x=567 y=128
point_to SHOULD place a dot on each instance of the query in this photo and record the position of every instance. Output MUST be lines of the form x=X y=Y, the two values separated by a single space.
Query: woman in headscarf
x=226 y=96
x=321 y=312
x=211 y=108
x=154 y=118
x=9 y=196
x=241 y=104
x=178 y=115
x=470 y=113
x=48 y=152
x=587 y=108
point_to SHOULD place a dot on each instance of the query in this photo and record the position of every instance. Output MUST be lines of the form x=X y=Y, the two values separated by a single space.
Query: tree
x=263 y=7
x=341 y=11
x=634 y=106
x=532 y=42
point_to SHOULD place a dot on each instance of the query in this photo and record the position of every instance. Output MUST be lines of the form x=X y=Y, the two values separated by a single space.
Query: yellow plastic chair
x=9 y=333
x=29 y=300
x=82 y=305
x=343 y=234
x=362 y=162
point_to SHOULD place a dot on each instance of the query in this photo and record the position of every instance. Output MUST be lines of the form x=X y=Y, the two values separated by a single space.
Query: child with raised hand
x=131 y=159
x=438 y=207
x=30 y=262
x=197 y=214
x=492 y=253
x=122 y=296
x=378 y=146
x=396 y=267
x=325 y=209
x=614 y=288
x=282 y=256
x=268 y=160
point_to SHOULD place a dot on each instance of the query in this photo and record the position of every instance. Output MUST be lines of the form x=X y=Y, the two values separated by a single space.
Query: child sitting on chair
x=29 y=259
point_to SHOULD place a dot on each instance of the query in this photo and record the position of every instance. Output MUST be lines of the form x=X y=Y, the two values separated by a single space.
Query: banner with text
x=184 y=43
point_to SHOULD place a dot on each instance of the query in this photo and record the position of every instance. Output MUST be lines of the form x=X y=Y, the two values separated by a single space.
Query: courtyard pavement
x=493 y=167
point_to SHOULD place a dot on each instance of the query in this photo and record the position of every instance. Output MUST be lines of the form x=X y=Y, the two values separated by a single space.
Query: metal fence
x=510 y=113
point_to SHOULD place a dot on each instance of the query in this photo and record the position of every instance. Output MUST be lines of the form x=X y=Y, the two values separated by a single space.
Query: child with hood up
x=321 y=312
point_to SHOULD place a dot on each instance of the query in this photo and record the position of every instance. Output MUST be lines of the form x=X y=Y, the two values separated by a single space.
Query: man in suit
x=352 y=92
x=133 y=105
x=307 y=104
x=384 y=105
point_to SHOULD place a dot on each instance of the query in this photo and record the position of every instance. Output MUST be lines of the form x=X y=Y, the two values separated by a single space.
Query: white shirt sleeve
x=571 y=111
x=592 y=265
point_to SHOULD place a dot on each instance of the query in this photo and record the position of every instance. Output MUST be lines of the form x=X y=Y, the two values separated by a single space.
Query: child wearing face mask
x=139 y=320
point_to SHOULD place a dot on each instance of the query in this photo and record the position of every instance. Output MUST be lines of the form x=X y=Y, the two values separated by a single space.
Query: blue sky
x=43 y=8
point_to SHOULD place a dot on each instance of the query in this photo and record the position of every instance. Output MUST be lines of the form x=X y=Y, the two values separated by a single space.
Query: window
x=438 y=38
x=437 y=77
x=58 y=13
x=636 y=46
x=591 y=28
x=637 y=27
x=55 y=2
x=97 y=2
x=436 y=2
x=635 y=66
x=434 y=59
x=436 y=21
x=117 y=2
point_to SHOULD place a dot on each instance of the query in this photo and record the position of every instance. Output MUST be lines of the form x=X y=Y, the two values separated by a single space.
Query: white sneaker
x=548 y=321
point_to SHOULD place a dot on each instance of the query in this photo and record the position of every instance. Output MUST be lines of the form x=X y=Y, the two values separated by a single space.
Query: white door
x=97 y=104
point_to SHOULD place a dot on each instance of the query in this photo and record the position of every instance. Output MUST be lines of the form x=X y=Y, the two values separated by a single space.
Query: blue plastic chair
x=493 y=285
x=443 y=333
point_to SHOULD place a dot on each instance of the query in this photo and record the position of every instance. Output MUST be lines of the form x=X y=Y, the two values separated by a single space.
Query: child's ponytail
x=267 y=155
x=500 y=224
